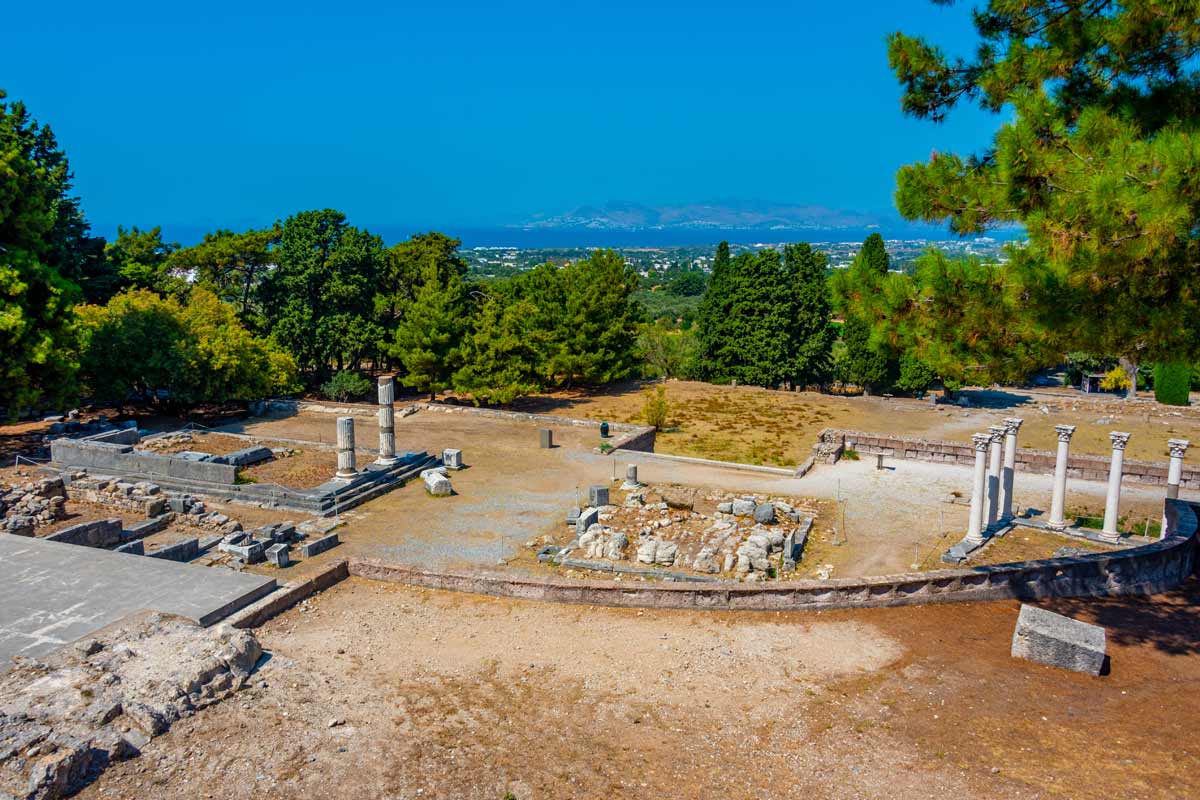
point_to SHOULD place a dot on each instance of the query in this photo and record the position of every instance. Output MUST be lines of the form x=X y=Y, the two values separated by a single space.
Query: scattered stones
x=742 y=507
x=143 y=497
x=656 y=551
x=1049 y=638
x=32 y=504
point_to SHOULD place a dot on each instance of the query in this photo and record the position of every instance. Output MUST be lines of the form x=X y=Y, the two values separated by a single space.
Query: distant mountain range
x=724 y=214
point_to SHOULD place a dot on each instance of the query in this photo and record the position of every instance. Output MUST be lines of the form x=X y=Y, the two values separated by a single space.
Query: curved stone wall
x=1148 y=569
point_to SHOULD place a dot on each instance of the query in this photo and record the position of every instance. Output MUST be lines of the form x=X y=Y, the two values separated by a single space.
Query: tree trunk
x=1131 y=369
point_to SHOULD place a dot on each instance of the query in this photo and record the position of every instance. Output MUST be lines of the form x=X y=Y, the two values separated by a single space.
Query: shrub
x=346 y=385
x=1172 y=383
x=656 y=408
x=1115 y=380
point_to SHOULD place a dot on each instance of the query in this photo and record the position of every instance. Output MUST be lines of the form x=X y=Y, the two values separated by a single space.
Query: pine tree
x=712 y=317
x=502 y=355
x=868 y=363
x=428 y=341
x=1099 y=162
x=811 y=332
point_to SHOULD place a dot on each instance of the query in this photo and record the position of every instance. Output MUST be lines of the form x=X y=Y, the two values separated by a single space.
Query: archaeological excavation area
x=410 y=599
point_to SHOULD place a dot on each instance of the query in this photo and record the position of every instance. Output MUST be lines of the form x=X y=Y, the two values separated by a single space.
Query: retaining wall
x=97 y=533
x=289 y=595
x=122 y=458
x=1148 y=569
x=1083 y=467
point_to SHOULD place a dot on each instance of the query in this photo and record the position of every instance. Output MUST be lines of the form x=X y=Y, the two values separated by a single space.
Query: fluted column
x=387 y=420
x=1112 y=503
x=345 y=447
x=1008 y=473
x=1177 y=448
x=1059 y=502
x=993 y=476
x=978 y=487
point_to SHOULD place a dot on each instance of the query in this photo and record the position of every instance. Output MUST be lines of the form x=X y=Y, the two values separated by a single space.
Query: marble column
x=993 y=475
x=1008 y=473
x=1176 y=447
x=974 y=535
x=345 y=447
x=387 y=420
x=1112 y=503
x=1059 y=503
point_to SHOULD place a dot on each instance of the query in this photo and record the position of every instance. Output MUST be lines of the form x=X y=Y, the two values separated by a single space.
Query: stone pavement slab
x=53 y=593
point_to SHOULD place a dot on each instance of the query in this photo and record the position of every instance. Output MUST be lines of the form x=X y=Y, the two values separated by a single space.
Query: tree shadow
x=1169 y=622
x=995 y=398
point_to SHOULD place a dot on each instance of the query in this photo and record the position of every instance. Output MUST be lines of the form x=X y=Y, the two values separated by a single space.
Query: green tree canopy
x=231 y=265
x=44 y=249
x=408 y=265
x=765 y=318
x=428 y=340
x=319 y=300
x=869 y=362
x=1099 y=163
x=142 y=344
x=141 y=260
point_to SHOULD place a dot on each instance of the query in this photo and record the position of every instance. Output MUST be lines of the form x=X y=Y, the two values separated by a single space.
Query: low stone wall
x=708 y=462
x=1082 y=467
x=183 y=551
x=123 y=459
x=97 y=533
x=1147 y=569
x=289 y=595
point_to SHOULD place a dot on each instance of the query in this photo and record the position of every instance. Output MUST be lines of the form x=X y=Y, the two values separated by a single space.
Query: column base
x=1058 y=526
x=387 y=462
x=1112 y=537
x=344 y=475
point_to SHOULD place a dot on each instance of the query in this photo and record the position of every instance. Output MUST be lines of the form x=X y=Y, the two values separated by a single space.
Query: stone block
x=573 y=516
x=181 y=551
x=436 y=483
x=587 y=518
x=764 y=513
x=250 y=552
x=316 y=546
x=452 y=459
x=1049 y=638
x=545 y=438
x=248 y=456
x=598 y=496
x=135 y=548
x=280 y=554
x=742 y=508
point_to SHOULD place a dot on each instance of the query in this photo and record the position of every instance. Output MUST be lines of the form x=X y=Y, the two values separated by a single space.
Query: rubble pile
x=31 y=504
x=67 y=716
x=748 y=536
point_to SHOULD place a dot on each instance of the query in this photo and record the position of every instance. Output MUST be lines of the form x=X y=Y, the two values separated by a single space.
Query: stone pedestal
x=1112 y=503
x=1009 y=470
x=1058 y=504
x=452 y=458
x=1177 y=448
x=974 y=535
x=387 y=420
x=545 y=438
x=993 y=475
x=345 y=447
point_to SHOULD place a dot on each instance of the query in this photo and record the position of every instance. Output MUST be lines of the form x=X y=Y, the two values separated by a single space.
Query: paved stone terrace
x=54 y=593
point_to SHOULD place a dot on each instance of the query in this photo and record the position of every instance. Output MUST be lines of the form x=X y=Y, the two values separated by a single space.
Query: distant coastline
x=548 y=238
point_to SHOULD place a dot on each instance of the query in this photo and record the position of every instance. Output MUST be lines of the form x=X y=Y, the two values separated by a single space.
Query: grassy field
x=760 y=426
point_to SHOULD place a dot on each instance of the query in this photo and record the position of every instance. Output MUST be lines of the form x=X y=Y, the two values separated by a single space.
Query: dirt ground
x=377 y=690
x=761 y=426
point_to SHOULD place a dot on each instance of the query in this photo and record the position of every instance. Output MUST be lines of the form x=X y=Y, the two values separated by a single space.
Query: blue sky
x=454 y=113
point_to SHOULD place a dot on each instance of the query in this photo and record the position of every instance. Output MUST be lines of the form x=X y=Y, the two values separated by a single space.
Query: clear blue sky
x=452 y=113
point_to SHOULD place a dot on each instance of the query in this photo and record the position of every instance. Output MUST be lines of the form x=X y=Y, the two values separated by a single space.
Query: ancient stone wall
x=1080 y=466
x=124 y=459
x=97 y=533
x=1147 y=569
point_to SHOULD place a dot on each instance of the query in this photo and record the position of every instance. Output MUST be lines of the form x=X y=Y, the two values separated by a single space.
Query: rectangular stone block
x=587 y=518
x=545 y=438
x=452 y=459
x=251 y=552
x=309 y=549
x=134 y=548
x=280 y=554
x=248 y=455
x=597 y=496
x=181 y=551
x=1049 y=638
